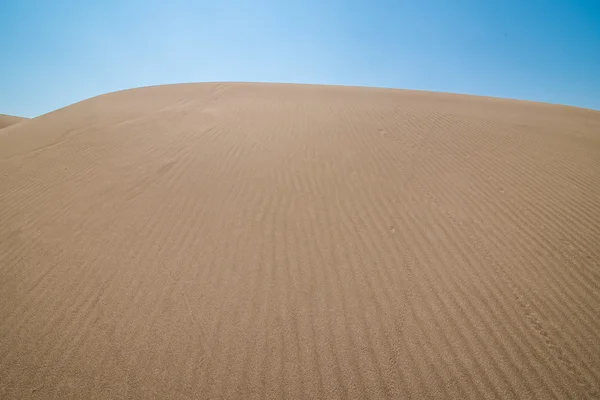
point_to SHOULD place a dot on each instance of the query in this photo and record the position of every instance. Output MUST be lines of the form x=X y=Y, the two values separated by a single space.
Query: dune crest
x=8 y=120
x=297 y=241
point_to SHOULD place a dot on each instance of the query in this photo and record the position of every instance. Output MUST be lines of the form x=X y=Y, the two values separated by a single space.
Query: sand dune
x=7 y=120
x=286 y=241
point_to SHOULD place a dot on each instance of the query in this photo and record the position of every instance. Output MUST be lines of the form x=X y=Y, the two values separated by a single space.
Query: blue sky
x=54 y=53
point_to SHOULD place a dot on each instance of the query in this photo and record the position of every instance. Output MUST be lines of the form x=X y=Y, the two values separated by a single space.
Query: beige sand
x=285 y=241
x=7 y=120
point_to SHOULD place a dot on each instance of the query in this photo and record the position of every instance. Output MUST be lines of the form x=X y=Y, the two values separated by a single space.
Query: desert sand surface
x=271 y=241
x=7 y=120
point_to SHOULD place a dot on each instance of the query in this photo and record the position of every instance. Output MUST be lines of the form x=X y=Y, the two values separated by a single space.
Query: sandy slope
x=7 y=120
x=280 y=241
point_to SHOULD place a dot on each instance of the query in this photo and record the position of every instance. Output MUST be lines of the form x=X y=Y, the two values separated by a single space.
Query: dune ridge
x=239 y=240
x=8 y=120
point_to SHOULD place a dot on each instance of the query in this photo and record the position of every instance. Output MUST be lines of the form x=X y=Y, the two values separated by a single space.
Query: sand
x=272 y=241
x=7 y=120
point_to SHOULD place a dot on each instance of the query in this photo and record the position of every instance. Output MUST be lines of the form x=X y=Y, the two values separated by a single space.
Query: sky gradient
x=56 y=53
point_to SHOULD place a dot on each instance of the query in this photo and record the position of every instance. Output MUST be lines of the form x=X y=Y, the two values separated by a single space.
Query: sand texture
x=7 y=120
x=271 y=241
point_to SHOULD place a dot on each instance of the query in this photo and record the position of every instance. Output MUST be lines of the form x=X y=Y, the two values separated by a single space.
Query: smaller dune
x=8 y=120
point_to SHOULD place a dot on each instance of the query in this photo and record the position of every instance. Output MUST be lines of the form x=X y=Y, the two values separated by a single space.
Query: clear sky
x=54 y=53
